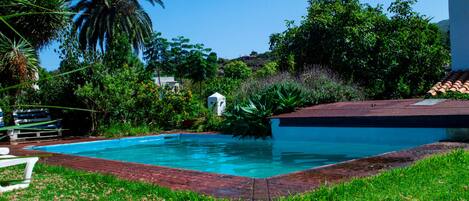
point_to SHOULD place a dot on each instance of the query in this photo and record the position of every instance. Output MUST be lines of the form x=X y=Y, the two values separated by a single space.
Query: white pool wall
x=412 y=136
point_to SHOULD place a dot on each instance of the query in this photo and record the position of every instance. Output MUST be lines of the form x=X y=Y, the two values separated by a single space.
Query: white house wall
x=459 y=31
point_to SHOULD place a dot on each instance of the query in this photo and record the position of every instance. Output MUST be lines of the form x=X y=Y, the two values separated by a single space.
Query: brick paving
x=234 y=187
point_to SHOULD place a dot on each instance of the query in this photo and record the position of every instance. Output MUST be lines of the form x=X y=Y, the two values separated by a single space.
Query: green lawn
x=57 y=183
x=444 y=177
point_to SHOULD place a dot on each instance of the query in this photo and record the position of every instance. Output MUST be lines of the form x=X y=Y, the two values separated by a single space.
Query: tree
x=156 y=53
x=115 y=79
x=201 y=66
x=119 y=53
x=181 y=58
x=96 y=22
x=392 y=57
x=212 y=65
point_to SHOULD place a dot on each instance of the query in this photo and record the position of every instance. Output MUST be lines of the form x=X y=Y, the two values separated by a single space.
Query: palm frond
x=38 y=21
x=17 y=58
x=16 y=127
x=55 y=107
x=36 y=81
x=98 y=20
x=159 y=2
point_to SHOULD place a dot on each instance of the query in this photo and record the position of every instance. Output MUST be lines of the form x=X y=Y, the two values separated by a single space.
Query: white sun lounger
x=10 y=160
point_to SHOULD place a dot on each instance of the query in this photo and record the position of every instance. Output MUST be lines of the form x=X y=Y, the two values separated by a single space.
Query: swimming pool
x=223 y=154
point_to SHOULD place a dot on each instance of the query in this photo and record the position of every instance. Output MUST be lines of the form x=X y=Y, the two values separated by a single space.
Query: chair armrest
x=4 y=151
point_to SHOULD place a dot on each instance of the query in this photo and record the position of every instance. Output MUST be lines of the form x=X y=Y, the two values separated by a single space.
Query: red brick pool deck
x=233 y=187
x=379 y=108
x=382 y=113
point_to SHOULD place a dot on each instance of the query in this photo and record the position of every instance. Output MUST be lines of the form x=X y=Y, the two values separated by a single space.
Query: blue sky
x=235 y=28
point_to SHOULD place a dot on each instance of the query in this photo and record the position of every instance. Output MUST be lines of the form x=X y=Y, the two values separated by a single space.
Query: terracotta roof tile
x=457 y=81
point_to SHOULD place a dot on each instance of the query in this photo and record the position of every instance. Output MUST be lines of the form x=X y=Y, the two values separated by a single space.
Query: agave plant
x=288 y=97
x=249 y=119
x=96 y=21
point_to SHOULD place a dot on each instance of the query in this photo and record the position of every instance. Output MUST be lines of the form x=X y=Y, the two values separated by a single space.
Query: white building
x=166 y=81
x=458 y=80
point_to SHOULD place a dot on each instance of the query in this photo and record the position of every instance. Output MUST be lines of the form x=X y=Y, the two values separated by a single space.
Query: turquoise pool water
x=224 y=154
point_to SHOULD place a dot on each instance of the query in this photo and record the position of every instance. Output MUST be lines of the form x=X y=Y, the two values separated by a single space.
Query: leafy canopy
x=181 y=58
x=392 y=57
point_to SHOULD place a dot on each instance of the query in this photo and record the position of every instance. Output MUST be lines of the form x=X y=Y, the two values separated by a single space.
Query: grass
x=57 y=183
x=116 y=130
x=442 y=177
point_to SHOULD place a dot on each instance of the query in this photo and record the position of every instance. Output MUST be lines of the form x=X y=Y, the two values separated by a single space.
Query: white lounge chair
x=10 y=160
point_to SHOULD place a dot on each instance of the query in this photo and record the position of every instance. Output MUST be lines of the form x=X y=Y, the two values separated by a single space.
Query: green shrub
x=253 y=86
x=208 y=121
x=326 y=87
x=122 y=92
x=453 y=95
x=320 y=84
x=175 y=107
x=116 y=130
x=223 y=85
x=250 y=118
x=259 y=99
x=237 y=70
x=269 y=69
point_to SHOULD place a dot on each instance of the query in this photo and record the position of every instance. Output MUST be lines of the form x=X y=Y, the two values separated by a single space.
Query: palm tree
x=26 y=26
x=18 y=62
x=37 y=21
x=96 y=22
x=18 y=65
